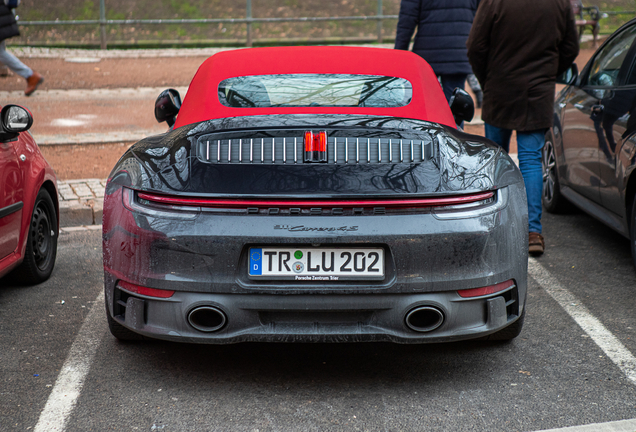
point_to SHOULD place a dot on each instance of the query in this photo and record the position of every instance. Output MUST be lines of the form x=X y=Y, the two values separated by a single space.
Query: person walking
x=442 y=29
x=517 y=49
x=8 y=29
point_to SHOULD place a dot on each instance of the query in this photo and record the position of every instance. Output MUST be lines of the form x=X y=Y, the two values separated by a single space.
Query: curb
x=73 y=54
x=77 y=213
x=81 y=202
x=93 y=138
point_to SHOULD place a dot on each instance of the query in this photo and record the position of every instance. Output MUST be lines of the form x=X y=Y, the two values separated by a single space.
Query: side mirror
x=462 y=106
x=167 y=106
x=15 y=119
x=569 y=76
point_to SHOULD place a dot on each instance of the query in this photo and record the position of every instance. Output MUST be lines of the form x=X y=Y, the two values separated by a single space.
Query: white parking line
x=71 y=378
x=618 y=426
x=610 y=345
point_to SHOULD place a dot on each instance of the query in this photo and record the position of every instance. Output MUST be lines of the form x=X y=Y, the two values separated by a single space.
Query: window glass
x=319 y=90
x=608 y=62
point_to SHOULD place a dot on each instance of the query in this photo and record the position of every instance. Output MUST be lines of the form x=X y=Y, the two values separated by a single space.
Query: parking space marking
x=71 y=378
x=609 y=343
x=617 y=426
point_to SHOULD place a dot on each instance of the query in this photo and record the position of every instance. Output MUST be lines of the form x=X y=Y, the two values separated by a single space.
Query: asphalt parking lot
x=572 y=365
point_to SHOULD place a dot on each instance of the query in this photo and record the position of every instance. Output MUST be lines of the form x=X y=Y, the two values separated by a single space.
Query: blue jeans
x=529 y=146
x=13 y=63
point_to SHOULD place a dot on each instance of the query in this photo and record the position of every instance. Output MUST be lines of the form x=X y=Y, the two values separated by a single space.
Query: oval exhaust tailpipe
x=207 y=318
x=424 y=319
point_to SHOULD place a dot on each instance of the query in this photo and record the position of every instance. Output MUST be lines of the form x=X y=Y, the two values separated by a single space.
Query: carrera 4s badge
x=303 y=228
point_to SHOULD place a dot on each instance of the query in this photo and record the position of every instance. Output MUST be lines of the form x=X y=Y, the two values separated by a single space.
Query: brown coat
x=517 y=48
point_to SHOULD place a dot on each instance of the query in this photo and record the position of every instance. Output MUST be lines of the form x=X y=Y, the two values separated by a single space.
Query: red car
x=29 y=208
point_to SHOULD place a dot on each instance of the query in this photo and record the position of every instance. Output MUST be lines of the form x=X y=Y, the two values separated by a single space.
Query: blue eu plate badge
x=256 y=260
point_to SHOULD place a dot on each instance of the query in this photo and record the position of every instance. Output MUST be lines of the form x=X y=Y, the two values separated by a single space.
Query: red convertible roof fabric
x=202 y=101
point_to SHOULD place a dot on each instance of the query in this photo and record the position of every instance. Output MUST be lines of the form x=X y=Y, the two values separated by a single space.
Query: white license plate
x=316 y=264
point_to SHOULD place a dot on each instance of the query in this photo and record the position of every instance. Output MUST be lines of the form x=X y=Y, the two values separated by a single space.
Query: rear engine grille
x=290 y=150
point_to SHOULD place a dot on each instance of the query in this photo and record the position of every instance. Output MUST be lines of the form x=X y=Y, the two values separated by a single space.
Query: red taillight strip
x=478 y=292
x=239 y=203
x=142 y=290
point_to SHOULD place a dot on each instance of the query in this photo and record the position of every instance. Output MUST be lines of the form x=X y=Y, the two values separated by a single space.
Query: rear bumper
x=202 y=257
x=306 y=318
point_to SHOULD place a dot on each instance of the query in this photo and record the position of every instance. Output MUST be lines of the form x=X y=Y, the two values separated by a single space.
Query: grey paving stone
x=82 y=190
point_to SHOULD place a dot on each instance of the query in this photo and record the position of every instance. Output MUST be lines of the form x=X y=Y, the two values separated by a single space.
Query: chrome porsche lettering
x=303 y=228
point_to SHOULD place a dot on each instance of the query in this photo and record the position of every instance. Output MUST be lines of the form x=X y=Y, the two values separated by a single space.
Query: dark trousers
x=450 y=82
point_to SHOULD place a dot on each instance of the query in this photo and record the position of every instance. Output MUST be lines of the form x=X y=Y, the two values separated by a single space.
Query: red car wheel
x=41 y=248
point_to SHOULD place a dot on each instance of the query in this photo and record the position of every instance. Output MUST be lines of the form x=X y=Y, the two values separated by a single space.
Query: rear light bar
x=145 y=291
x=388 y=203
x=492 y=289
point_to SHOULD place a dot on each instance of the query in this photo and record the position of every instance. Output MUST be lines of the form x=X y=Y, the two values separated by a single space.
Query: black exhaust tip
x=424 y=319
x=207 y=319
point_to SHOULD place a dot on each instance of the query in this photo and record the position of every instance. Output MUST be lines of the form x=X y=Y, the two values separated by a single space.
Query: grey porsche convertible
x=315 y=194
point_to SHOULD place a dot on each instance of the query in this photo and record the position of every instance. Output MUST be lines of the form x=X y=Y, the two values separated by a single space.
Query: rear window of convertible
x=315 y=90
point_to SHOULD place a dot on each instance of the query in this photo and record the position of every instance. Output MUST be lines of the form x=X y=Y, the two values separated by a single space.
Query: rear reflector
x=387 y=203
x=315 y=146
x=492 y=289
x=141 y=290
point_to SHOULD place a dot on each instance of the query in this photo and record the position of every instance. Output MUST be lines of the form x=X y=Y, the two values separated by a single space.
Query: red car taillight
x=245 y=203
x=142 y=290
x=492 y=289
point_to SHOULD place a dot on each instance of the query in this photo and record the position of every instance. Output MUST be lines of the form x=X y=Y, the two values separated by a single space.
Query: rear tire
x=551 y=197
x=119 y=331
x=633 y=231
x=41 y=247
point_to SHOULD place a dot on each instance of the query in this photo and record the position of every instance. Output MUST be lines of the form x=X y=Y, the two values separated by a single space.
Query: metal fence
x=249 y=20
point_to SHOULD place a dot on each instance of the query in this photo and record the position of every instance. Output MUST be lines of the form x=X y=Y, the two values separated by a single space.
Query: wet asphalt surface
x=551 y=376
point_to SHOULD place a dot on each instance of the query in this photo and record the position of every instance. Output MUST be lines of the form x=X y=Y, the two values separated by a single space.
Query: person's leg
x=529 y=145
x=32 y=78
x=450 y=82
x=13 y=63
x=500 y=136
x=473 y=82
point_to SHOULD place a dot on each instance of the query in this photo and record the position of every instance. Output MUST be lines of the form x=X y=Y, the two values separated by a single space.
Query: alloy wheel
x=549 y=171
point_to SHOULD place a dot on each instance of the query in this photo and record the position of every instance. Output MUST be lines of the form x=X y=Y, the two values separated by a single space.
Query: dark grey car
x=590 y=154
x=312 y=213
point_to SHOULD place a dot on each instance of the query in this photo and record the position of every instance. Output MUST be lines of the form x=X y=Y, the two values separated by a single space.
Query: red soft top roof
x=202 y=102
